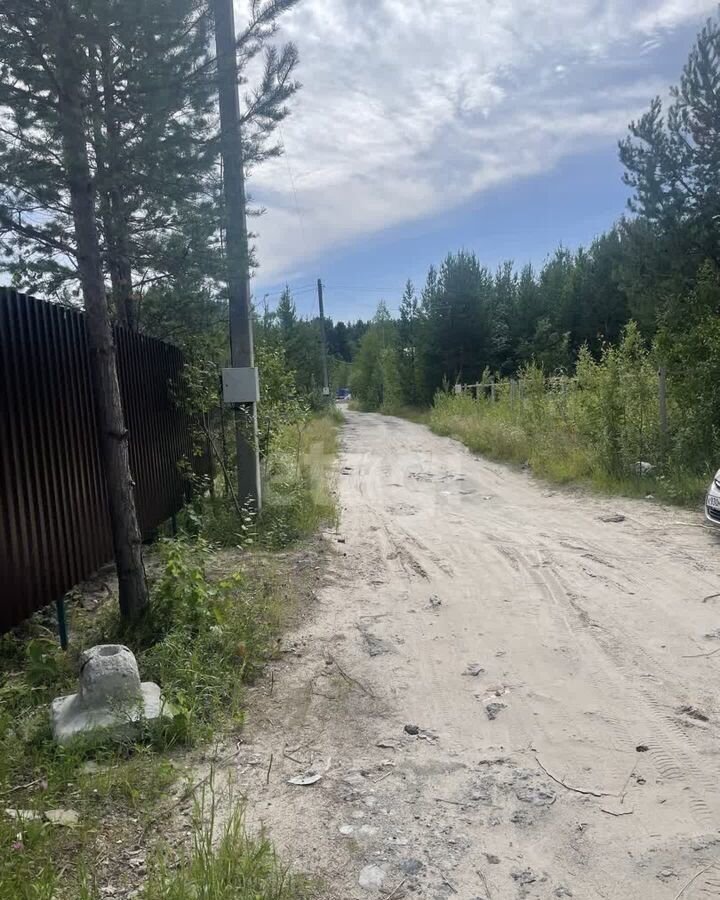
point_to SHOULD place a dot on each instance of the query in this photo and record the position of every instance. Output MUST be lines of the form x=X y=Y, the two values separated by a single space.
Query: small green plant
x=26 y=869
x=224 y=862
x=202 y=638
x=44 y=663
x=220 y=521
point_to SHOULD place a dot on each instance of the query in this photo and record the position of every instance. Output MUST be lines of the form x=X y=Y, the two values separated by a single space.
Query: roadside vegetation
x=598 y=427
x=583 y=338
x=214 y=621
x=223 y=863
x=144 y=137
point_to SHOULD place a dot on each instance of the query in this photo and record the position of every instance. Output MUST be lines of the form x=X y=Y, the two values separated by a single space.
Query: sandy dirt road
x=581 y=760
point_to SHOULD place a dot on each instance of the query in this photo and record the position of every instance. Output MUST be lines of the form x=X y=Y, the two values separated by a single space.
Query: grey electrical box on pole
x=323 y=341
x=240 y=385
x=242 y=354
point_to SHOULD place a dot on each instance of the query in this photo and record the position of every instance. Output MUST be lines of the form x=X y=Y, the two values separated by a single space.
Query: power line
x=363 y=290
x=298 y=211
x=293 y=291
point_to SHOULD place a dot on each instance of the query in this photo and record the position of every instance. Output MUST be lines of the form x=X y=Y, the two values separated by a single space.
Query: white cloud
x=671 y=13
x=412 y=106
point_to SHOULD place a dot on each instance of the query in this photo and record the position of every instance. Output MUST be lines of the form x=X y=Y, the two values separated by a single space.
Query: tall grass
x=419 y=415
x=297 y=491
x=592 y=428
x=224 y=862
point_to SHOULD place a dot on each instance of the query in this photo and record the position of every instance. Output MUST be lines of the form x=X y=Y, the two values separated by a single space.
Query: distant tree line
x=658 y=267
x=300 y=340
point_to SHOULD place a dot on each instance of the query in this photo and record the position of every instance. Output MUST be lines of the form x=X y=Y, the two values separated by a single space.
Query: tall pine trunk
x=120 y=266
x=113 y=435
x=102 y=190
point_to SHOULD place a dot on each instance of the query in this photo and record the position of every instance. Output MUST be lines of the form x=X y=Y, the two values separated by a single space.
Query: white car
x=712 y=501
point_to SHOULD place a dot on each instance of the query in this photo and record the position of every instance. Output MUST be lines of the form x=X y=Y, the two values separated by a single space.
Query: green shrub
x=202 y=639
x=593 y=427
x=298 y=496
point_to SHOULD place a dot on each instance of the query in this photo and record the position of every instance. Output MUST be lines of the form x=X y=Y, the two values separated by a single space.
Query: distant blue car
x=343 y=394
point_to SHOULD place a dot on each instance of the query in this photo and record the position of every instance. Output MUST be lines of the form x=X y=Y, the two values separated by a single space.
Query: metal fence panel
x=54 y=528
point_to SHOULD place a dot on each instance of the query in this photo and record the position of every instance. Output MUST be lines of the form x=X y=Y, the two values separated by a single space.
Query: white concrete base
x=111 y=697
x=71 y=717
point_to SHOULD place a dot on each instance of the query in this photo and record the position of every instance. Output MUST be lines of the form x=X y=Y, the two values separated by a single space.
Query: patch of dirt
x=549 y=798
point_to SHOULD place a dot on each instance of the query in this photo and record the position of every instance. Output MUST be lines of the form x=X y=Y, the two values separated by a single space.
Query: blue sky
x=425 y=127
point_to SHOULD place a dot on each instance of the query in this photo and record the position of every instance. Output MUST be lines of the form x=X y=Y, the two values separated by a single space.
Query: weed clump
x=202 y=639
x=594 y=427
x=297 y=494
x=224 y=862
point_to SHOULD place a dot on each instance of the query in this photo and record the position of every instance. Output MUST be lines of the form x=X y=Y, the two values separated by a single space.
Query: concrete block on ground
x=110 y=697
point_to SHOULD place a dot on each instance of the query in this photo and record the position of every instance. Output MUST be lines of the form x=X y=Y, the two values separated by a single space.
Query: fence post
x=662 y=404
x=62 y=622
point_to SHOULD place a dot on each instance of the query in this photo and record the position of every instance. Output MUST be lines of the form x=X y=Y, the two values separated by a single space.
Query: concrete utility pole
x=323 y=341
x=240 y=382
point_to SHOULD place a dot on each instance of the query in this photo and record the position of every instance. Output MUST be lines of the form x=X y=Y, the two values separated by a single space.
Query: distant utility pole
x=240 y=384
x=323 y=341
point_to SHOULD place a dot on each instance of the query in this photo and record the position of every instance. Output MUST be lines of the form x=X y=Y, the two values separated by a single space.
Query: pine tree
x=46 y=41
x=407 y=337
x=151 y=114
x=36 y=216
x=152 y=126
x=426 y=357
x=286 y=315
x=502 y=305
x=526 y=313
x=374 y=380
x=673 y=162
x=339 y=341
x=459 y=320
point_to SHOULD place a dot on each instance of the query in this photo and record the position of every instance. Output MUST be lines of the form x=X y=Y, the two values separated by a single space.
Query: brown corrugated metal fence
x=54 y=529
